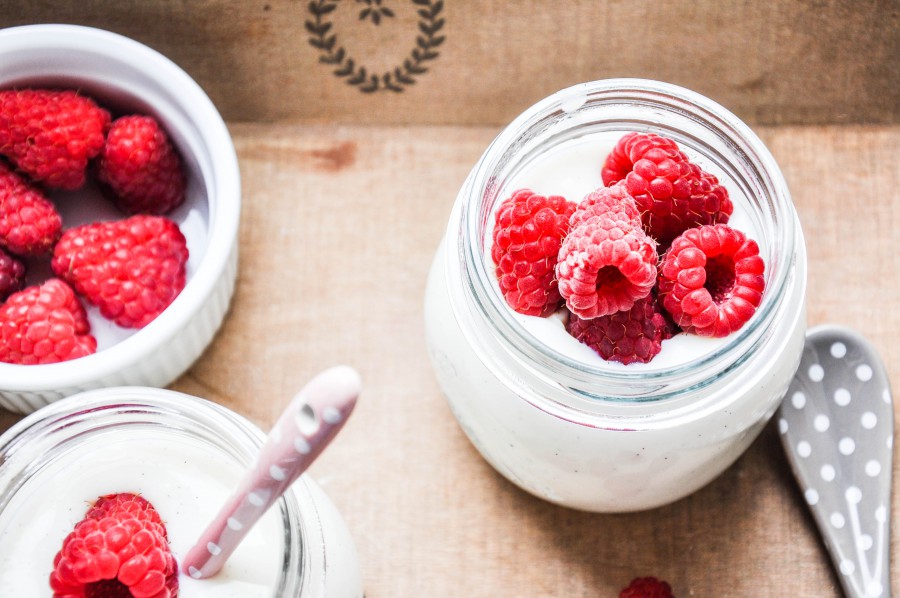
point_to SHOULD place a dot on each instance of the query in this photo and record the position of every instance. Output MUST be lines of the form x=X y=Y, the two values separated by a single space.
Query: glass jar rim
x=133 y=405
x=577 y=375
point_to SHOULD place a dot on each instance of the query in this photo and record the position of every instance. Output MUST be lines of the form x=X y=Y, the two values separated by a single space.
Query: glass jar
x=183 y=454
x=592 y=435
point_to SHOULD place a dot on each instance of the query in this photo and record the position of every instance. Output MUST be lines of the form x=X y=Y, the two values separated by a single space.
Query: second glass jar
x=183 y=454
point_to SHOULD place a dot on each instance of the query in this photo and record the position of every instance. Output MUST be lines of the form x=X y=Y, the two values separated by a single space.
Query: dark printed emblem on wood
x=414 y=64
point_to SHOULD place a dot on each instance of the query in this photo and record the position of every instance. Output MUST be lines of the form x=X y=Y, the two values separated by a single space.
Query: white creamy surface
x=677 y=350
x=186 y=481
x=572 y=169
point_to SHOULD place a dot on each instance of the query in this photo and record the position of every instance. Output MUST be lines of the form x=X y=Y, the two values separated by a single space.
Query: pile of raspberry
x=640 y=259
x=131 y=268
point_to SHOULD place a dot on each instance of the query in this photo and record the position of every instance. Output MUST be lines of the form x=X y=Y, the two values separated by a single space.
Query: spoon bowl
x=837 y=428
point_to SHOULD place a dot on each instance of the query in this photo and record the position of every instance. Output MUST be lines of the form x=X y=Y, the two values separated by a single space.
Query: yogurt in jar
x=547 y=412
x=185 y=456
x=184 y=480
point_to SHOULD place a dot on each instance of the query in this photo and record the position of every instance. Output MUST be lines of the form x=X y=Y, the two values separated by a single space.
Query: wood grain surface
x=338 y=230
x=773 y=62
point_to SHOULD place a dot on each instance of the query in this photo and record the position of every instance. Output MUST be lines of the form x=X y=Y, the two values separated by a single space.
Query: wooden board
x=339 y=226
x=483 y=62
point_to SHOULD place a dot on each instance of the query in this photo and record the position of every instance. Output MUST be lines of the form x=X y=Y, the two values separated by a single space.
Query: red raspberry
x=136 y=506
x=628 y=336
x=614 y=198
x=50 y=134
x=131 y=269
x=606 y=262
x=139 y=168
x=29 y=222
x=528 y=231
x=647 y=587
x=44 y=324
x=119 y=549
x=711 y=280
x=671 y=192
x=12 y=275
x=619 y=163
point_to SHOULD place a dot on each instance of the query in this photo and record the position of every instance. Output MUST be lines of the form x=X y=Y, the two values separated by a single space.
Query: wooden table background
x=346 y=196
x=338 y=231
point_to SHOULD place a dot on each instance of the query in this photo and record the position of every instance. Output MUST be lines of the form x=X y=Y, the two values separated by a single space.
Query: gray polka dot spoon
x=837 y=427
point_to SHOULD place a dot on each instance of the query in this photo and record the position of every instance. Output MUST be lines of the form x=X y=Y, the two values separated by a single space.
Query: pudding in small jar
x=183 y=455
x=550 y=412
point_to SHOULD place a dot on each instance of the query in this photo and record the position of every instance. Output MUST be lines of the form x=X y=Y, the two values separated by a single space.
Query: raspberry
x=606 y=262
x=528 y=231
x=119 y=549
x=51 y=135
x=137 y=506
x=12 y=275
x=711 y=280
x=619 y=163
x=44 y=324
x=671 y=192
x=614 y=198
x=632 y=335
x=139 y=168
x=131 y=269
x=29 y=222
x=647 y=587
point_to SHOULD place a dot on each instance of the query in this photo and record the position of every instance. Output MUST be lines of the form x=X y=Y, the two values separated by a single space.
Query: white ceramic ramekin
x=126 y=76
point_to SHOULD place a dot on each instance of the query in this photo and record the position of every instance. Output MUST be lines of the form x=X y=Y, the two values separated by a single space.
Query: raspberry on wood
x=528 y=231
x=606 y=262
x=51 y=134
x=647 y=587
x=711 y=280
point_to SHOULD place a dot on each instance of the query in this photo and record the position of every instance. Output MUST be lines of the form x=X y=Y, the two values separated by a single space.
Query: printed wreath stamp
x=331 y=52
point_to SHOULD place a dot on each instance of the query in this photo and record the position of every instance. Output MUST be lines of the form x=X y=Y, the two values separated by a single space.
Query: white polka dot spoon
x=309 y=423
x=837 y=426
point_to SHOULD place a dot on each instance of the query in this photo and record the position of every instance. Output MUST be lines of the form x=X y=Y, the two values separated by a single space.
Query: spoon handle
x=305 y=428
x=837 y=429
